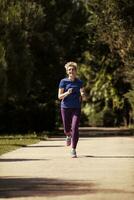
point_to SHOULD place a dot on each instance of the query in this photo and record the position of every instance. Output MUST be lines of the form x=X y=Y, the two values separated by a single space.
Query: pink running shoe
x=68 y=140
x=73 y=153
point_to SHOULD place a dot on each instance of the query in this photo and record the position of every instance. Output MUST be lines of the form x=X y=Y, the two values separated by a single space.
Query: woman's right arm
x=62 y=94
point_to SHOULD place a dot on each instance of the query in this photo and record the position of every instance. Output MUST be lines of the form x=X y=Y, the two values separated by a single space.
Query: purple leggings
x=71 y=119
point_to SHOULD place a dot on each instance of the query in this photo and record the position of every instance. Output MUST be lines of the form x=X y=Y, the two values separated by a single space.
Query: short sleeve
x=62 y=84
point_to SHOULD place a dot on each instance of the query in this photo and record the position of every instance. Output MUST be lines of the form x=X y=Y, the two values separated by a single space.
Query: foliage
x=109 y=57
x=38 y=37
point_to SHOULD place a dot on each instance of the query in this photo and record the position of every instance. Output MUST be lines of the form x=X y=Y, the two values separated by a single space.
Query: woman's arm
x=62 y=94
x=82 y=94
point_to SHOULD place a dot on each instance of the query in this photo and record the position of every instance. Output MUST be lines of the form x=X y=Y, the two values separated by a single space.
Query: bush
x=108 y=117
x=99 y=118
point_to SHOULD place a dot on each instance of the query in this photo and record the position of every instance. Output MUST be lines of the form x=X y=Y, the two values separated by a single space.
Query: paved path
x=104 y=170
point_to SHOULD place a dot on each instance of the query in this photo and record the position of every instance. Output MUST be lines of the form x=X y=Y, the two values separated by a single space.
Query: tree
x=106 y=57
x=39 y=37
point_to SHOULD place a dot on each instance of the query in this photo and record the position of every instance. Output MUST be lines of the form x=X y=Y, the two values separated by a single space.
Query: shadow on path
x=89 y=156
x=19 y=159
x=32 y=146
x=25 y=187
x=29 y=187
x=39 y=146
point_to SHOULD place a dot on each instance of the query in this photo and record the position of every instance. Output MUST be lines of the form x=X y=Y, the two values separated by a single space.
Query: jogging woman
x=70 y=93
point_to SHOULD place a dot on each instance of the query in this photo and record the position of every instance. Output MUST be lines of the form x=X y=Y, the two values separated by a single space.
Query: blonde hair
x=68 y=64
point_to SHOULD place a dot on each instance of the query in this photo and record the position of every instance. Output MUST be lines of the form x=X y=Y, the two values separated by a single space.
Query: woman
x=70 y=93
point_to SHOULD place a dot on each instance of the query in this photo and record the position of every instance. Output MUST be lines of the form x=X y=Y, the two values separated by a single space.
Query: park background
x=37 y=38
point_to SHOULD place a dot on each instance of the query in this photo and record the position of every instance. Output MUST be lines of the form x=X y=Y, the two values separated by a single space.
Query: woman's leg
x=75 y=126
x=67 y=120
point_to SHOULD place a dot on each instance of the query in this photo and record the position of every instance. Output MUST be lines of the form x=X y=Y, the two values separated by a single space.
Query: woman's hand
x=82 y=95
x=62 y=94
x=70 y=90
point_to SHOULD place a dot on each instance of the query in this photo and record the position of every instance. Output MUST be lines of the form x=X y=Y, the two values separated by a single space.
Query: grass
x=12 y=142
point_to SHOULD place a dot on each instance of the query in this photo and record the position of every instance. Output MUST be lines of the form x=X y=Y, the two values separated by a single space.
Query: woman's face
x=71 y=71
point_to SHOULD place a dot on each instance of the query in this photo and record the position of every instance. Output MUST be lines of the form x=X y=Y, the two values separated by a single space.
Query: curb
x=101 y=131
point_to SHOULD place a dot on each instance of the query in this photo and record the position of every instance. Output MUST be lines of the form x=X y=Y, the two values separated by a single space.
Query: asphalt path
x=104 y=170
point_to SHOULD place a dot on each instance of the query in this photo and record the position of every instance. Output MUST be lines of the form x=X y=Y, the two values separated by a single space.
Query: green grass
x=12 y=142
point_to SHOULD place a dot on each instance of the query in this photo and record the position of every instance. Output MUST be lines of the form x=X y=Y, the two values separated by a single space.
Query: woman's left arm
x=82 y=94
